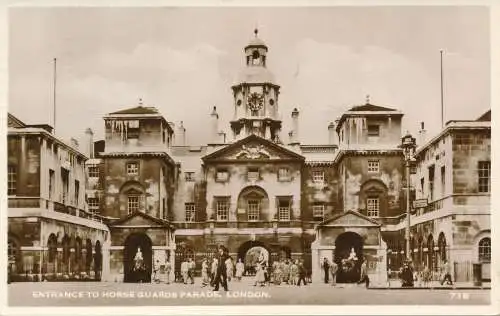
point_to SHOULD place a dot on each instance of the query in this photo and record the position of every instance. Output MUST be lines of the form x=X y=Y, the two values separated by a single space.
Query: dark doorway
x=250 y=252
x=136 y=271
x=349 y=257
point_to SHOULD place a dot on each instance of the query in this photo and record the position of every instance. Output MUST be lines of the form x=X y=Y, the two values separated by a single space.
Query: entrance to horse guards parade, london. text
x=137 y=258
x=348 y=240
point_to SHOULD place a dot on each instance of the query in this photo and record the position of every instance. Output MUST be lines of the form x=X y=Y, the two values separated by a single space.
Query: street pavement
x=127 y=294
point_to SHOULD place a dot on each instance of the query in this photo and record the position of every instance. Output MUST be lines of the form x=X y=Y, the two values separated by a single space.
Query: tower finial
x=256 y=31
x=140 y=101
x=367 y=99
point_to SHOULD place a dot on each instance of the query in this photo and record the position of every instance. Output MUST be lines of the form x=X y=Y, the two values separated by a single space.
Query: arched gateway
x=137 y=258
x=250 y=252
x=348 y=256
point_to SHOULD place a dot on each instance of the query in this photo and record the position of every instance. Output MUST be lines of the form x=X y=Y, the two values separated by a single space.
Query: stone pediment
x=253 y=148
x=139 y=219
x=350 y=218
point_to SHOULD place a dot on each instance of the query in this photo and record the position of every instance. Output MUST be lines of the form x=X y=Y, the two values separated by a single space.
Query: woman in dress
x=260 y=267
x=229 y=268
x=205 y=271
x=240 y=267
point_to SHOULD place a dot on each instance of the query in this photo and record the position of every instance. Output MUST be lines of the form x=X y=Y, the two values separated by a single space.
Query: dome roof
x=256 y=75
x=256 y=41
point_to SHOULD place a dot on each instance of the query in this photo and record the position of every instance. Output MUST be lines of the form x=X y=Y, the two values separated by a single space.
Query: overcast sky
x=184 y=60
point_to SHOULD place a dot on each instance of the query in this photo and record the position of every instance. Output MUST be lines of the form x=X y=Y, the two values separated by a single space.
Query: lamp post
x=408 y=144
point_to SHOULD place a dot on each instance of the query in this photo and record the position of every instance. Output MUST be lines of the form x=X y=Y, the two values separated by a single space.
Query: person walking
x=184 y=271
x=294 y=272
x=229 y=268
x=191 y=267
x=302 y=273
x=240 y=268
x=333 y=270
x=364 y=274
x=221 y=276
x=213 y=271
x=168 y=270
x=326 y=269
x=446 y=274
x=205 y=271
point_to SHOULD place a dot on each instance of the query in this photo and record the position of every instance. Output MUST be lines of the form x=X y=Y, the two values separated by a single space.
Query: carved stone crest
x=253 y=152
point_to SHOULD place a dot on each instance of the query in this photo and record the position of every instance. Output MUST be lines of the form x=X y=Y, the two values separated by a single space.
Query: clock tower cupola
x=256 y=96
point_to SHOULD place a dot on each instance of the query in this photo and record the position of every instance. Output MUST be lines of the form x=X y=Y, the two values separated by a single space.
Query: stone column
x=106 y=271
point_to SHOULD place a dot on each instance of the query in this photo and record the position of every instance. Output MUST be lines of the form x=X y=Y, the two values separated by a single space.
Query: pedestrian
x=205 y=271
x=286 y=272
x=213 y=271
x=446 y=274
x=168 y=270
x=240 y=267
x=221 y=276
x=184 y=271
x=156 y=271
x=364 y=274
x=229 y=268
x=294 y=272
x=406 y=275
x=333 y=270
x=302 y=272
x=426 y=276
x=260 y=271
x=326 y=269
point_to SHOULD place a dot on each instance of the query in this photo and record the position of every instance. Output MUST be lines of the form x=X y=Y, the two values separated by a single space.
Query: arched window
x=485 y=250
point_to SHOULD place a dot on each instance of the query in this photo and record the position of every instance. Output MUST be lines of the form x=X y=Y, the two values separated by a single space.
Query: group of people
x=331 y=268
x=410 y=277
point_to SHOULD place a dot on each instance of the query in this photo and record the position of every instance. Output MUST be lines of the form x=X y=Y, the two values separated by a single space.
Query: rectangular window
x=189 y=176
x=93 y=172
x=253 y=210
x=77 y=191
x=65 y=185
x=222 y=175
x=443 y=180
x=373 y=166
x=318 y=176
x=283 y=174
x=372 y=207
x=431 y=183
x=253 y=174
x=52 y=179
x=133 y=204
x=12 y=180
x=462 y=139
x=133 y=129
x=484 y=175
x=93 y=204
x=222 y=208
x=319 y=211
x=284 y=210
x=373 y=130
x=190 y=212
x=132 y=168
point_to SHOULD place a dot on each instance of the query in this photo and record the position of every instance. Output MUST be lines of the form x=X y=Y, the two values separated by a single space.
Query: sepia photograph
x=248 y=155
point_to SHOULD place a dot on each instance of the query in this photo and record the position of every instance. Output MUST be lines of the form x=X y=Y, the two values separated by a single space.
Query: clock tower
x=256 y=96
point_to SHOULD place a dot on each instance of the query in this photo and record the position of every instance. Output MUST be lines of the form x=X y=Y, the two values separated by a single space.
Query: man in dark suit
x=221 y=276
x=326 y=268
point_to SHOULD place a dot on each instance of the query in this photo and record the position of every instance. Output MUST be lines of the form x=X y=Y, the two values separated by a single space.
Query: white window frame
x=12 y=180
x=373 y=207
x=253 y=210
x=190 y=212
x=222 y=210
x=133 y=168
x=284 y=212
x=484 y=250
x=93 y=171
x=484 y=176
x=318 y=176
x=318 y=211
x=133 y=203
x=373 y=166
x=93 y=204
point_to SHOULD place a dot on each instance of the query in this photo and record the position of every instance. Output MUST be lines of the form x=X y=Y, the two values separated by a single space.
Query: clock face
x=255 y=101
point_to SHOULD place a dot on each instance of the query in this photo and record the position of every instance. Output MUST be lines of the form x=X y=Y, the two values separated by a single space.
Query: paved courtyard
x=106 y=294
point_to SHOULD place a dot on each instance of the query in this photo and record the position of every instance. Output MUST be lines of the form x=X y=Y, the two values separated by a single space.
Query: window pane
x=373 y=166
x=190 y=215
x=253 y=210
x=133 y=168
x=222 y=210
x=12 y=180
x=372 y=207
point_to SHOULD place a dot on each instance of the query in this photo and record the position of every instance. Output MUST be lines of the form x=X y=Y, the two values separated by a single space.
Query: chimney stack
x=89 y=143
x=332 y=134
x=181 y=135
x=422 y=134
x=214 y=126
x=295 y=127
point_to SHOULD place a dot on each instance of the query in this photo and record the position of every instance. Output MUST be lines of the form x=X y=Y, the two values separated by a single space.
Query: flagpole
x=54 y=94
x=442 y=91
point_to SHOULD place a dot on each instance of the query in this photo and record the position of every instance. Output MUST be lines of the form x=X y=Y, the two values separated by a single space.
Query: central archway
x=348 y=256
x=249 y=253
x=133 y=243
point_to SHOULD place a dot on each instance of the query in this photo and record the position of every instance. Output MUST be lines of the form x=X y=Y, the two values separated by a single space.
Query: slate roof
x=486 y=117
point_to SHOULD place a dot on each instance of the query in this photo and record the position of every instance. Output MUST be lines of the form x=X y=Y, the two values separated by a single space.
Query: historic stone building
x=51 y=235
x=259 y=193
